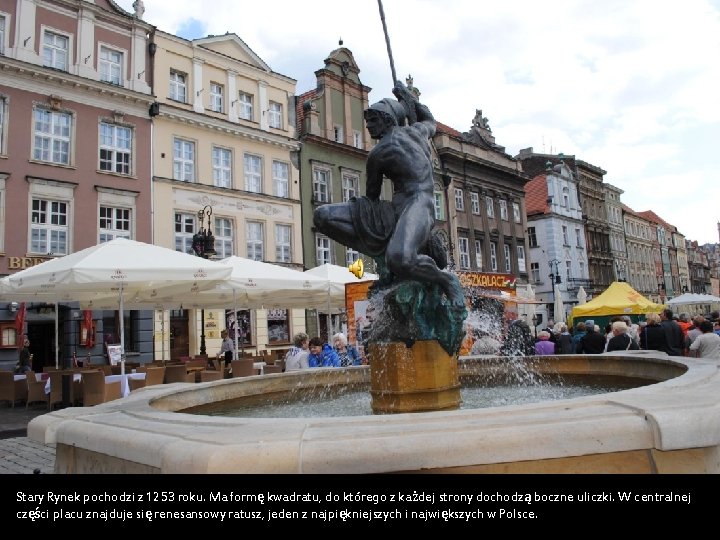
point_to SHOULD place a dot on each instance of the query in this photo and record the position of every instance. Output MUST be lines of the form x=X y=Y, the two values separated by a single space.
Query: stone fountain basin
x=669 y=426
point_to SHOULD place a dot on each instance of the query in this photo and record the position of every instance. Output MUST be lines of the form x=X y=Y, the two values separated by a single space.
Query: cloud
x=627 y=86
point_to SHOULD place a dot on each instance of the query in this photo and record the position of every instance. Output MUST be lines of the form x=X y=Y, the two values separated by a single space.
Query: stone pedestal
x=420 y=378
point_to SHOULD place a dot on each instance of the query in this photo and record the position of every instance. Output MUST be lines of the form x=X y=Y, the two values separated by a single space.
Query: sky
x=630 y=87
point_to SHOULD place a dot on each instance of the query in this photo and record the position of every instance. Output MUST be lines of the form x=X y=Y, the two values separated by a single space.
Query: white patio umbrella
x=117 y=269
x=692 y=299
x=251 y=285
x=336 y=277
x=581 y=295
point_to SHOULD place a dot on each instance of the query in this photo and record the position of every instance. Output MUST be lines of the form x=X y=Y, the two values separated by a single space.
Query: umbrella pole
x=57 y=344
x=235 y=331
x=122 y=333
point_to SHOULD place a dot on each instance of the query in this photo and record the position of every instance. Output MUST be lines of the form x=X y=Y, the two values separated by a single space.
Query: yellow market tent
x=618 y=299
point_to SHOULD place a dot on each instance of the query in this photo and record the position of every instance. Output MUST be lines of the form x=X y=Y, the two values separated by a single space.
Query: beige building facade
x=223 y=145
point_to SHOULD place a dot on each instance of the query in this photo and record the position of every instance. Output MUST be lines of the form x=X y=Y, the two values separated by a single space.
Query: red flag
x=20 y=319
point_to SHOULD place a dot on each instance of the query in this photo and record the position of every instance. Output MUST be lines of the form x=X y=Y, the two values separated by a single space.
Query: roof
x=536 y=195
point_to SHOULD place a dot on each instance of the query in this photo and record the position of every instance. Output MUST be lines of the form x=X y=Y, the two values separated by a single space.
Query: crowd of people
x=309 y=352
x=675 y=335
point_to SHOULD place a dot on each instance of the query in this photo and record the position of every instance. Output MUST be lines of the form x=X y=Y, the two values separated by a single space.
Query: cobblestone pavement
x=19 y=454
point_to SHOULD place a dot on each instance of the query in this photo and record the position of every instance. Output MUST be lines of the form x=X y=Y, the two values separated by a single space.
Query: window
x=493 y=256
x=516 y=212
x=508 y=260
x=489 y=205
x=521 y=258
x=111 y=66
x=281 y=179
x=565 y=235
x=49 y=227
x=349 y=187
x=52 y=136
x=8 y=335
x=131 y=330
x=223 y=238
x=278 y=322
x=532 y=238
x=578 y=237
x=3 y=125
x=178 y=86
x=475 y=203
x=464 y=249
x=115 y=148
x=338 y=135
x=283 y=251
x=184 y=231
x=351 y=256
x=322 y=250
x=55 y=51
x=216 y=97
x=246 y=106
x=568 y=272
x=478 y=254
x=321 y=185
x=254 y=237
x=183 y=160
x=439 y=205
x=253 y=173
x=566 y=202
x=2 y=34
x=503 y=210
x=459 y=202
x=240 y=326
x=222 y=167
x=275 y=119
x=535 y=272
x=357 y=139
x=114 y=223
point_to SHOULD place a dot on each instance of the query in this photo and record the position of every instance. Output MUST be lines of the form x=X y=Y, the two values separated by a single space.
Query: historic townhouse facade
x=641 y=255
x=480 y=201
x=591 y=199
x=75 y=85
x=334 y=149
x=223 y=153
x=617 y=232
x=558 y=257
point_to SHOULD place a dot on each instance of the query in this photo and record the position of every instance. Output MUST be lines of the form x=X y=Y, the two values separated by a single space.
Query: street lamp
x=555 y=272
x=203 y=245
x=554 y=279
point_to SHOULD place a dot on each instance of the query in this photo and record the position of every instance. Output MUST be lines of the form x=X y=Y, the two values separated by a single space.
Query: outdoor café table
x=260 y=366
x=124 y=385
x=38 y=376
x=77 y=377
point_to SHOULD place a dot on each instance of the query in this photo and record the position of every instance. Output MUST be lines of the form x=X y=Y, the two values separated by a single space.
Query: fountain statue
x=415 y=299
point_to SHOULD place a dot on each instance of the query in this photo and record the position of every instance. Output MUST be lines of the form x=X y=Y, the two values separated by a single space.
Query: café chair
x=178 y=373
x=35 y=390
x=211 y=375
x=243 y=367
x=10 y=389
x=56 y=388
x=97 y=391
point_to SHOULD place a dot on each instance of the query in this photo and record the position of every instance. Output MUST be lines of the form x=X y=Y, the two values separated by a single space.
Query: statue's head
x=390 y=111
